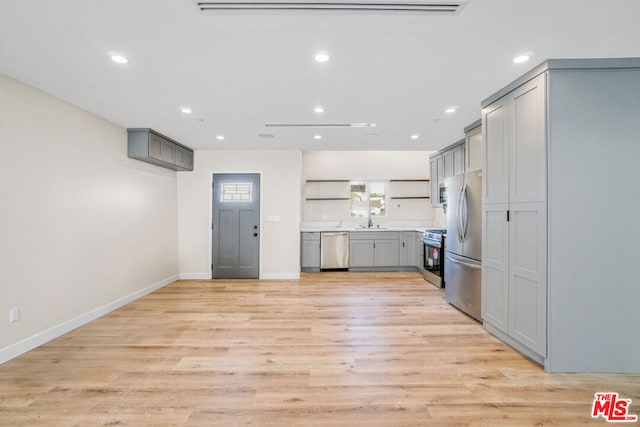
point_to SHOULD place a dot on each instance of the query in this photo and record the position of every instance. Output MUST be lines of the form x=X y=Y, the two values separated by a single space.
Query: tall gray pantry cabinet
x=561 y=203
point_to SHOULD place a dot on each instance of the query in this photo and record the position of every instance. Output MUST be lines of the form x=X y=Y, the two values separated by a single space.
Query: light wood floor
x=343 y=349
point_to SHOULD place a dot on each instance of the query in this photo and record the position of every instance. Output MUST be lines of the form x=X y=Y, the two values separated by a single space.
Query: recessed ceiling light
x=520 y=59
x=186 y=110
x=415 y=136
x=450 y=110
x=266 y=135
x=322 y=57
x=319 y=109
x=317 y=136
x=219 y=137
x=119 y=59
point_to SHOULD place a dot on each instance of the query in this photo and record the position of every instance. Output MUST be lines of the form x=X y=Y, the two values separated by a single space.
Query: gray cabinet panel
x=386 y=253
x=310 y=250
x=155 y=147
x=447 y=160
x=374 y=249
x=361 y=253
x=184 y=158
x=458 y=160
x=473 y=150
x=435 y=175
x=408 y=249
x=151 y=147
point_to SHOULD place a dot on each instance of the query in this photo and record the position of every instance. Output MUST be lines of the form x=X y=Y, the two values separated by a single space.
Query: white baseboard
x=280 y=276
x=27 y=344
x=195 y=276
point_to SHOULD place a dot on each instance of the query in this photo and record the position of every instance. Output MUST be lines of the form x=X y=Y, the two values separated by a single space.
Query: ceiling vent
x=428 y=7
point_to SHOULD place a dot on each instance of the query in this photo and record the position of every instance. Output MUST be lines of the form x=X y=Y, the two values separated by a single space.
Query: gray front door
x=236 y=222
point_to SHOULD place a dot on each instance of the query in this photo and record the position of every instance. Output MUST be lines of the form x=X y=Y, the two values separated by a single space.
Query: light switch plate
x=274 y=218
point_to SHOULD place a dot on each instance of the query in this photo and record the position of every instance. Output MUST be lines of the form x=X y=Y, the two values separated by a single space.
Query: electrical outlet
x=14 y=314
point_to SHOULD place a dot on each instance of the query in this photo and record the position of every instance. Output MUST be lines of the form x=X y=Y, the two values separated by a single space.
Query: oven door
x=433 y=261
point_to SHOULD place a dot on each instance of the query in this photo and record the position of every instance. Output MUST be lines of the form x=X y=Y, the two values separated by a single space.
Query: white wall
x=366 y=165
x=280 y=180
x=83 y=228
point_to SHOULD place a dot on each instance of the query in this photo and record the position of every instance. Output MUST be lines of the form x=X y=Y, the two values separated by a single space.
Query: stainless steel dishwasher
x=334 y=250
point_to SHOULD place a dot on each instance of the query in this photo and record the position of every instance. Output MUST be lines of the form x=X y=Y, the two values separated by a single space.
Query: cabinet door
x=527 y=275
x=155 y=146
x=495 y=266
x=386 y=253
x=361 y=253
x=434 y=196
x=168 y=151
x=180 y=156
x=447 y=160
x=473 y=150
x=408 y=251
x=458 y=160
x=419 y=251
x=495 y=133
x=527 y=150
x=184 y=158
x=310 y=257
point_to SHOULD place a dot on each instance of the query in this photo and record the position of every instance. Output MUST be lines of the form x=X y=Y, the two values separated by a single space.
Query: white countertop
x=354 y=229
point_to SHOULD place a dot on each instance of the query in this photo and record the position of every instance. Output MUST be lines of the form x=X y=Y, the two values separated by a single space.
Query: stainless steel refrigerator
x=463 y=262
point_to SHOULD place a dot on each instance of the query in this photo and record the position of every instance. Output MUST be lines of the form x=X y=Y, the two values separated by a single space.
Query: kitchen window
x=368 y=198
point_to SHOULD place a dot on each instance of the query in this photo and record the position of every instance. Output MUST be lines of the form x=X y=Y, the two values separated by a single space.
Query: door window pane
x=237 y=192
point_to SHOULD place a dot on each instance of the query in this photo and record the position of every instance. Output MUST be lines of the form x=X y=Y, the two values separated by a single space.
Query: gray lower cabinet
x=149 y=146
x=408 y=252
x=374 y=249
x=310 y=251
x=420 y=252
x=361 y=252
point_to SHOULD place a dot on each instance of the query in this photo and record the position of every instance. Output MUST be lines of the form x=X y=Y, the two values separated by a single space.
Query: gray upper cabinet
x=436 y=175
x=149 y=146
x=453 y=160
x=473 y=146
x=445 y=164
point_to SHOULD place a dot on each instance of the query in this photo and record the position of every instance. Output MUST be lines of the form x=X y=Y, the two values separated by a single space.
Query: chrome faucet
x=369 y=223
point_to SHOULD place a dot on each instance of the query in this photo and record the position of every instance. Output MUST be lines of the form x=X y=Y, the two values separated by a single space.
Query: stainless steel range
x=434 y=256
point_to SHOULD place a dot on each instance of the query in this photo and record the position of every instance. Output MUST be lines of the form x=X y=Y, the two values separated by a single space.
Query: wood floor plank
x=330 y=349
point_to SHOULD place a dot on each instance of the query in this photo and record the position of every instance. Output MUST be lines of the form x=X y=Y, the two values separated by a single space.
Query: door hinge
x=507 y=216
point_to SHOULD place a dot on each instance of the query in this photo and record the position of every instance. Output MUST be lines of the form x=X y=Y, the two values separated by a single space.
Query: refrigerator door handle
x=459 y=216
x=456 y=260
x=464 y=208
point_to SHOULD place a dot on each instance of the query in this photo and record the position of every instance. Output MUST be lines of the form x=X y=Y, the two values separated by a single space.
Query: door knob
x=255 y=234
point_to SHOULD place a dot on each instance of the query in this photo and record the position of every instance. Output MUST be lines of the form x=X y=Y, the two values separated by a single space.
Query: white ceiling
x=241 y=70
